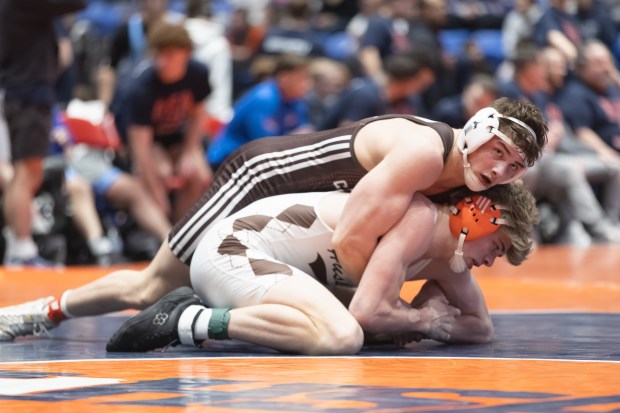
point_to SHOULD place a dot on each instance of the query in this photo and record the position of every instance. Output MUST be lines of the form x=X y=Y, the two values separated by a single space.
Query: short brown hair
x=163 y=35
x=402 y=66
x=289 y=63
x=526 y=112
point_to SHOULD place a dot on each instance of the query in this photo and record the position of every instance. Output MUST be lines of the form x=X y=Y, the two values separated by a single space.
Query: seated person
x=266 y=273
x=92 y=176
x=274 y=107
x=456 y=110
x=407 y=75
x=165 y=114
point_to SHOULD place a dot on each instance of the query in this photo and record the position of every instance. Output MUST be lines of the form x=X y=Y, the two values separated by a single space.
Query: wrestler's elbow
x=480 y=332
x=345 y=246
x=352 y=246
x=487 y=332
x=370 y=317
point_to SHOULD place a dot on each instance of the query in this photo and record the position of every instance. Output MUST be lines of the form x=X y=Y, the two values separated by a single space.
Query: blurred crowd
x=152 y=95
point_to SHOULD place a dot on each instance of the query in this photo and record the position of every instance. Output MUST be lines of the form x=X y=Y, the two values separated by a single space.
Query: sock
x=57 y=309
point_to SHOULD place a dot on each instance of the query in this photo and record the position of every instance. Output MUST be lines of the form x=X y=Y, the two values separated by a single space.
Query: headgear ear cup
x=471 y=219
x=483 y=126
x=479 y=129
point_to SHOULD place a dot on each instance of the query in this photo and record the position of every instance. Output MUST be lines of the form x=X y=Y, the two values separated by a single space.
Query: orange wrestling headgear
x=472 y=218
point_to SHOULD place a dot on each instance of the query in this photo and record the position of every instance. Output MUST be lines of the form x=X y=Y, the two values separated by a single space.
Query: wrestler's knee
x=164 y=274
x=343 y=338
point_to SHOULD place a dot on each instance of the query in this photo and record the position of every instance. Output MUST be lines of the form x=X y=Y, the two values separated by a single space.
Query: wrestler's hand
x=439 y=318
x=403 y=339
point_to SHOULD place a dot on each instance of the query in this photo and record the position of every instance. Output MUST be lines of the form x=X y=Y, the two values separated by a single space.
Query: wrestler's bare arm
x=462 y=291
x=402 y=159
x=377 y=305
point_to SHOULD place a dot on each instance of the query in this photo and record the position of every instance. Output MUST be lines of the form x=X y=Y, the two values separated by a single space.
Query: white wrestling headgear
x=473 y=218
x=483 y=126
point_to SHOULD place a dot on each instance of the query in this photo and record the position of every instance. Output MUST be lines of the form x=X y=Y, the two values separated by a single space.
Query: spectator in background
x=293 y=34
x=558 y=27
x=91 y=173
x=28 y=71
x=67 y=73
x=407 y=76
x=604 y=176
x=596 y=22
x=529 y=77
x=212 y=49
x=6 y=169
x=458 y=109
x=518 y=27
x=329 y=79
x=166 y=114
x=257 y=10
x=613 y=6
x=334 y=15
x=452 y=73
x=272 y=108
x=358 y=24
x=245 y=40
x=559 y=178
x=129 y=56
x=591 y=100
x=86 y=218
x=386 y=35
x=478 y=14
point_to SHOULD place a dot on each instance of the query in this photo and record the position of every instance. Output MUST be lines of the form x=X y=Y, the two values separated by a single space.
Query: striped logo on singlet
x=248 y=175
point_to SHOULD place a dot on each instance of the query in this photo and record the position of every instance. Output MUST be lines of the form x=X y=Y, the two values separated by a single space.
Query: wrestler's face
x=496 y=162
x=483 y=251
x=171 y=64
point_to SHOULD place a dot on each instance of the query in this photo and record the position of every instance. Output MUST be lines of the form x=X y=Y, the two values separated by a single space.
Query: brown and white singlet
x=242 y=256
x=320 y=161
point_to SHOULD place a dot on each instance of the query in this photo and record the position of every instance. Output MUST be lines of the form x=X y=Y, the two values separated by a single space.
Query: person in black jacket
x=28 y=70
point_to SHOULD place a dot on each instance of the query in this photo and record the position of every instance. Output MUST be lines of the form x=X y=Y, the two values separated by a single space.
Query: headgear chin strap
x=483 y=126
x=471 y=180
x=472 y=218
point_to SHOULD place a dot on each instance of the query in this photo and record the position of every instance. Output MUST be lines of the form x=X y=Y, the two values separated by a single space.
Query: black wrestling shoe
x=155 y=327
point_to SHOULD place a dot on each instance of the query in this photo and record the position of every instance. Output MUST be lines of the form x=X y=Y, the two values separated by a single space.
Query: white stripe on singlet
x=246 y=177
